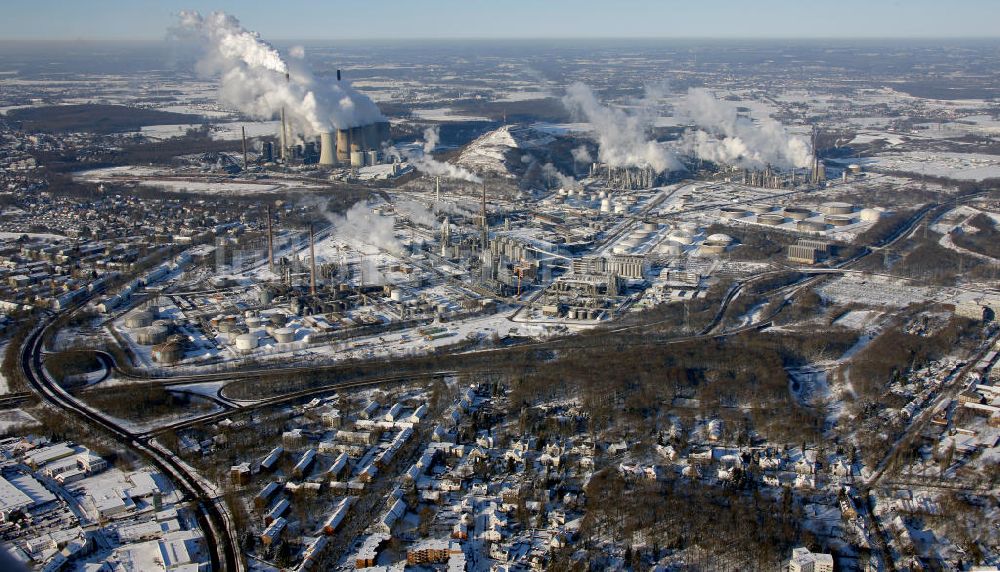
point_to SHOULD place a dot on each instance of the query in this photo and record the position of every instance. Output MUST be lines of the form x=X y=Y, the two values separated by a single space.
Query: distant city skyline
x=513 y=19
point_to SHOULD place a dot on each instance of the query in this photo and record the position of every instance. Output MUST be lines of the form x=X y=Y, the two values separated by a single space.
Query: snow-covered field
x=960 y=166
x=445 y=114
x=15 y=419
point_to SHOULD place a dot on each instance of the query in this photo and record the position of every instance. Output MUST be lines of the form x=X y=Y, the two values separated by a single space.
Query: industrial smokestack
x=284 y=137
x=485 y=223
x=312 y=260
x=338 y=75
x=270 y=241
x=326 y=154
x=244 y=129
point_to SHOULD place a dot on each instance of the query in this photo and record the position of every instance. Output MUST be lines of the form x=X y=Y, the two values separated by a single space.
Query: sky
x=442 y=19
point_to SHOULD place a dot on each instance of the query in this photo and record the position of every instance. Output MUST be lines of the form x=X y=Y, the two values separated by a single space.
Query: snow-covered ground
x=14 y=419
x=960 y=166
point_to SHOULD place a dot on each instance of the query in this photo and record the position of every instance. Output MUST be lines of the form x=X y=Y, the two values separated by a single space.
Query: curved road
x=213 y=517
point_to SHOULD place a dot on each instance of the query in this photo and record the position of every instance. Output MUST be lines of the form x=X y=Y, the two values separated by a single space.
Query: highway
x=213 y=516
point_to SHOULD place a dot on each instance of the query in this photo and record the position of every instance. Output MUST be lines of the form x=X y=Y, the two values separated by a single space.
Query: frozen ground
x=15 y=419
x=960 y=166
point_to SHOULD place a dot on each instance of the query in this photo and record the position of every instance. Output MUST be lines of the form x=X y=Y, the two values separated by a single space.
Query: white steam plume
x=423 y=161
x=725 y=137
x=549 y=171
x=256 y=80
x=416 y=212
x=582 y=155
x=622 y=136
x=360 y=225
x=432 y=136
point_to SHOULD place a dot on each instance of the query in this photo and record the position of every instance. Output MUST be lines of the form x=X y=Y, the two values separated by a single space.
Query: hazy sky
x=337 y=19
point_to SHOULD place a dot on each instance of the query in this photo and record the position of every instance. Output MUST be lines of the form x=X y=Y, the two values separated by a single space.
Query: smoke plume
x=432 y=136
x=359 y=225
x=582 y=155
x=416 y=212
x=726 y=137
x=422 y=159
x=257 y=81
x=622 y=137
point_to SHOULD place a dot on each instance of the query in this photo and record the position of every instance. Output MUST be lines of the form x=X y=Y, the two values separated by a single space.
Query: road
x=212 y=514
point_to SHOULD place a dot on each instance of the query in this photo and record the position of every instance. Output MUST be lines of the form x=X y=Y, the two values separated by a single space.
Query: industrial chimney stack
x=270 y=241
x=312 y=260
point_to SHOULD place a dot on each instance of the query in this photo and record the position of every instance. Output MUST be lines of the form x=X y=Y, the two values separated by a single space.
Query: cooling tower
x=357 y=139
x=326 y=153
x=343 y=146
x=371 y=137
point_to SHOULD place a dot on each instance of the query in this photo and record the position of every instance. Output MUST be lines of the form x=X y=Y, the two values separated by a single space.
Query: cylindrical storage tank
x=712 y=248
x=255 y=323
x=670 y=249
x=771 y=219
x=620 y=249
x=760 y=209
x=278 y=320
x=246 y=342
x=810 y=226
x=797 y=213
x=168 y=352
x=681 y=236
x=152 y=335
x=284 y=335
x=854 y=169
x=371 y=157
x=870 y=215
x=139 y=320
x=839 y=220
x=650 y=226
x=620 y=208
x=343 y=146
x=227 y=325
x=606 y=205
x=719 y=238
x=732 y=212
x=327 y=152
x=836 y=208
x=357 y=158
x=396 y=295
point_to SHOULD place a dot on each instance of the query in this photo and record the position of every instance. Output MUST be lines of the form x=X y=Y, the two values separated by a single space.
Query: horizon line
x=398 y=39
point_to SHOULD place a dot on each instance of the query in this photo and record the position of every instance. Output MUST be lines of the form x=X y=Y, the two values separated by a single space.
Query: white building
x=805 y=561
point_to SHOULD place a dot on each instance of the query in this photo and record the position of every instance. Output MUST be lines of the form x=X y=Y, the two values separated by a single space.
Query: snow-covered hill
x=492 y=152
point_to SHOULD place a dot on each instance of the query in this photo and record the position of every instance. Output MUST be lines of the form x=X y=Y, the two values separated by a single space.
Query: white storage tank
x=246 y=342
x=152 y=335
x=870 y=215
x=284 y=335
x=139 y=320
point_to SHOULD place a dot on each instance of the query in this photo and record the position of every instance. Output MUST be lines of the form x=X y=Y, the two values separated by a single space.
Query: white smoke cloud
x=582 y=155
x=422 y=160
x=726 y=137
x=360 y=225
x=256 y=80
x=432 y=136
x=416 y=212
x=549 y=171
x=622 y=137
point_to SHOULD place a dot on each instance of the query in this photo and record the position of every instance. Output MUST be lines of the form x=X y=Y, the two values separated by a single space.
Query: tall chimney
x=270 y=241
x=244 y=129
x=284 y=137
x=312 y=260
x=437 y=190
x=338 y=75
x=485 y=224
